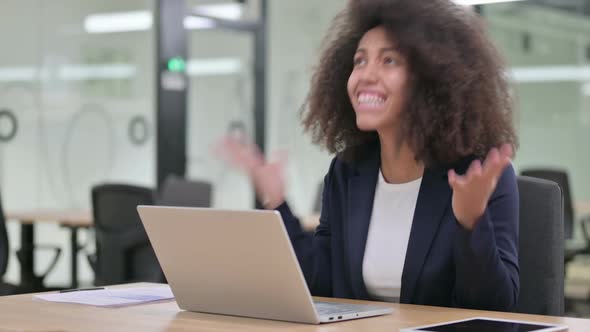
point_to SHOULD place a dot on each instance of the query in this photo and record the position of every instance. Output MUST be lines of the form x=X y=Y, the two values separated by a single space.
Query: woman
x=420 y=204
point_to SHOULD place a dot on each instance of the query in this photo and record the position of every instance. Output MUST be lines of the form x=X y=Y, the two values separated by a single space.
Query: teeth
x=371 y=99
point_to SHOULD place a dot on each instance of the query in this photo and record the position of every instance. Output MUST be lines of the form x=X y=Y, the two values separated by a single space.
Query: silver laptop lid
x=229 y=262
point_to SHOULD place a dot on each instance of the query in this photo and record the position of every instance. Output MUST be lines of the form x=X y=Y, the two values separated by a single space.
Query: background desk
x=21 y=313
x=72 y=219
x=582 y=208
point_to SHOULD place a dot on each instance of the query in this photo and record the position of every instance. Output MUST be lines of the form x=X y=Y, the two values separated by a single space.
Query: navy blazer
x=445 y=264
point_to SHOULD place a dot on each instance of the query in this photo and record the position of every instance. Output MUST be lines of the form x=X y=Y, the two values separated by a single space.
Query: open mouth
x=371 y=100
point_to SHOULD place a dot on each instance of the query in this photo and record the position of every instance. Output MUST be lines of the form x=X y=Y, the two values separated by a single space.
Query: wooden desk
x=72 y=219
x=582 y=208
x=21 y=313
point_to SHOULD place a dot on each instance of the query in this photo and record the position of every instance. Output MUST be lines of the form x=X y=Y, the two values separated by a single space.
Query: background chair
x=560 y=177
x=123 y=251
x=541 y=246
x=177 y=191
x=576 y=303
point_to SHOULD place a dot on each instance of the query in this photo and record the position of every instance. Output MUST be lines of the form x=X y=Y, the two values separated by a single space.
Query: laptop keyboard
x=331 y=308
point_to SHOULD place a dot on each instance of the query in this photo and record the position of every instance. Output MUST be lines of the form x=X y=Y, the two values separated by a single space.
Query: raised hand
x=267 y=177
x=472 y=191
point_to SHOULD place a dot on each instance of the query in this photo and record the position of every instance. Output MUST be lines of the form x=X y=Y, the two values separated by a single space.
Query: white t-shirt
x=387 y=241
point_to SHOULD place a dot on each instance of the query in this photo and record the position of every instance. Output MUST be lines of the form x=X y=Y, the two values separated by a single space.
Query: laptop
x=238 y=263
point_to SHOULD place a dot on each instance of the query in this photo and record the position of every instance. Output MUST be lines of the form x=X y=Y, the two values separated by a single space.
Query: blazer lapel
x=433 y=200
x=361 y=193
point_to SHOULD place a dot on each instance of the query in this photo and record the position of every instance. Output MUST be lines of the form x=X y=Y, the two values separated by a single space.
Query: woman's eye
x=358 y=61
x=390 y=61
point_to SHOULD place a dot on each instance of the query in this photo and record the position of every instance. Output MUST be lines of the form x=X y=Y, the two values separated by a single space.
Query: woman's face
x=377 y=84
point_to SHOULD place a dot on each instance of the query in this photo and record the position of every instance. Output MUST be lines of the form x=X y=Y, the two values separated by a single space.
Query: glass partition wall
x=76 y=109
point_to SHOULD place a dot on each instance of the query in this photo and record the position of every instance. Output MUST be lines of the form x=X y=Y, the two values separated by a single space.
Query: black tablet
x=482 y=324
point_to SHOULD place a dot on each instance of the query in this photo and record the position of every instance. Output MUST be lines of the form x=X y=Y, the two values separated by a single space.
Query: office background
x=78 y=104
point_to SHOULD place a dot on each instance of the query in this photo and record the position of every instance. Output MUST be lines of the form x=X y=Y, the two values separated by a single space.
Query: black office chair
x=561 y=178
x=541 y=246
x=177 y=191
x=123 y=251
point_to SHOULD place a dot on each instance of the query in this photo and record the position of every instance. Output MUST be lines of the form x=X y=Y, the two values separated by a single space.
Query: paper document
x=111 y=297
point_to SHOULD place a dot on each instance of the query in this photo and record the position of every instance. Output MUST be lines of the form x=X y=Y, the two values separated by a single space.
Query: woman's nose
x=370 y=73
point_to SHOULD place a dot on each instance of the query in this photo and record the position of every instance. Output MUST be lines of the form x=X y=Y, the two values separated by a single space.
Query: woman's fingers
x=474 y=171
x=458 y=182
x=496 y=161
x=245 y=156
x=506 y=151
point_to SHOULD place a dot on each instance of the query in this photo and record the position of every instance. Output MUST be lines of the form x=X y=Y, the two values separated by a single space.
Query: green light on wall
x=177 y=65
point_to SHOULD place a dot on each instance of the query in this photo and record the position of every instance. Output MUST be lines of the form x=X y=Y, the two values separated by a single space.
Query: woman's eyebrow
x=381 y=50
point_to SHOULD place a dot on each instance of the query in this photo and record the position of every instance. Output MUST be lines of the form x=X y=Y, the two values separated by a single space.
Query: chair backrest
x=177 y=191
x=561 y=178
x=123 y=251
x=541 y=247
x=4 y=245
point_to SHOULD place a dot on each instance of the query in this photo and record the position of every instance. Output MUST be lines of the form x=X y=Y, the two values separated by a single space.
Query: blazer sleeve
x=313 y=250
x=486 y=258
